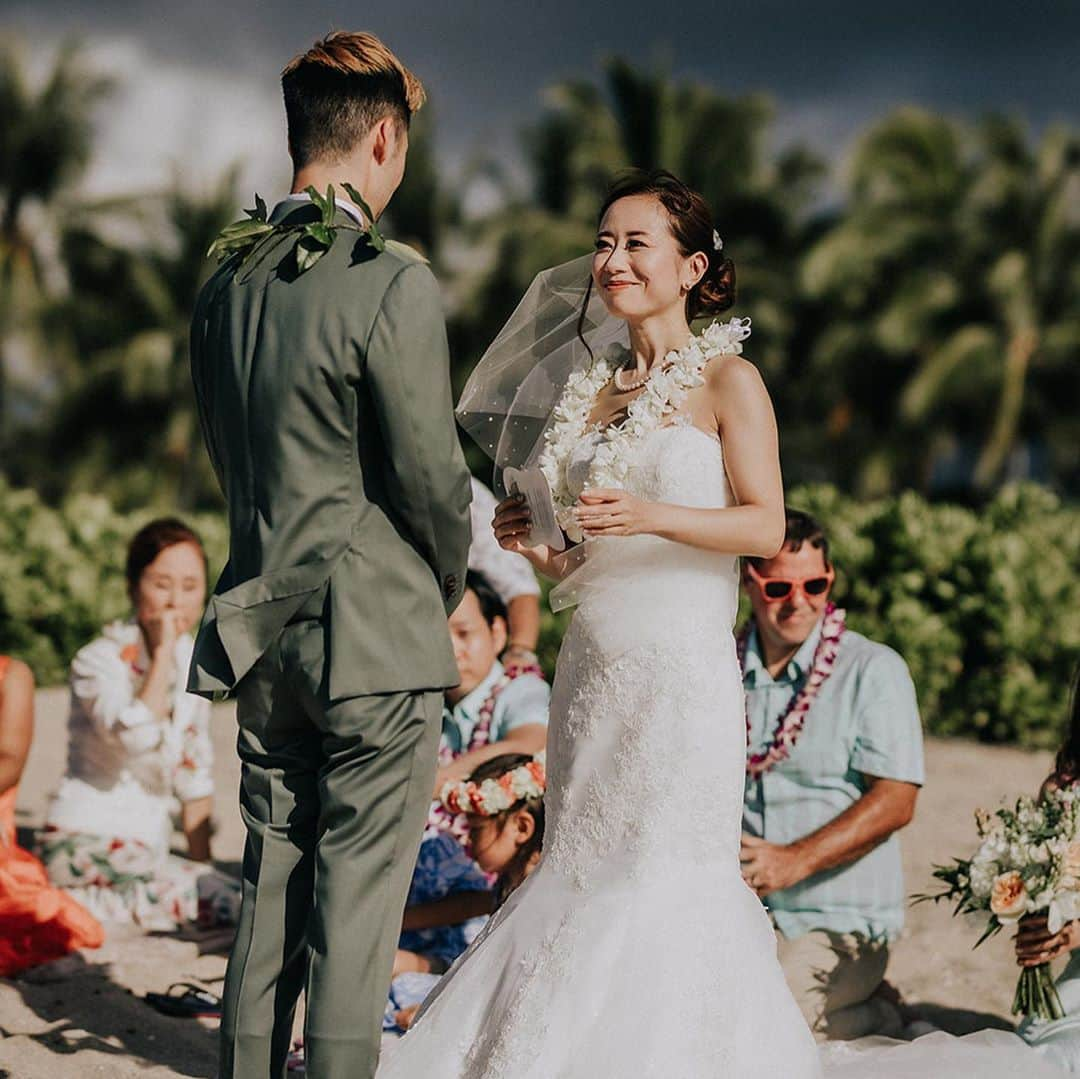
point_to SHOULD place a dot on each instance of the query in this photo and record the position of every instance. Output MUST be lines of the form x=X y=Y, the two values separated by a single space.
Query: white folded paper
x=544 y=528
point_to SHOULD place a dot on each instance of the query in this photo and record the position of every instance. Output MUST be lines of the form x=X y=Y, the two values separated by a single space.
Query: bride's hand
x=603 y=511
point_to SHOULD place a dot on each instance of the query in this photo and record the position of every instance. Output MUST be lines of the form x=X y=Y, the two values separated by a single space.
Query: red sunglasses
x=774 y=589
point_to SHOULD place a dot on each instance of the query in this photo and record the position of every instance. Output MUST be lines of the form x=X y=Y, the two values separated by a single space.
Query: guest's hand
x=162 y=631
x=406 y=962
x=769 y=867
x=1035 y=944
x=405 y=1017
x=605 y=511
x=517 y=655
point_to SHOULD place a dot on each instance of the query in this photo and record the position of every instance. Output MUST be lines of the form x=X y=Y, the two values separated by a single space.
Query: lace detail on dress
x=520 y=1034
x=673 y=798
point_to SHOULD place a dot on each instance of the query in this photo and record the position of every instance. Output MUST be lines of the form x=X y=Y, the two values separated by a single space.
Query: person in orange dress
x=38 y=922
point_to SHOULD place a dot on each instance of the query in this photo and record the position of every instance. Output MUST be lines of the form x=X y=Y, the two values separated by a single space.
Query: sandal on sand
x=192 y=1001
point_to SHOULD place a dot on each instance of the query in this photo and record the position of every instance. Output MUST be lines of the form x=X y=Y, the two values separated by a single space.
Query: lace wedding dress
x=635 y=950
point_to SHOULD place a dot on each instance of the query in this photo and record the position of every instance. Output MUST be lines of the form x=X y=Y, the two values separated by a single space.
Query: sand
x=83 y=1016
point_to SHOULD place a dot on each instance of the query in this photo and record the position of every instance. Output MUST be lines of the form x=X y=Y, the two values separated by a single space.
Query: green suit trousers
x=333 y=796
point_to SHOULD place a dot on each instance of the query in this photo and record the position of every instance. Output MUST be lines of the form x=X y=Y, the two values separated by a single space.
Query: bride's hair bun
x=693 y=229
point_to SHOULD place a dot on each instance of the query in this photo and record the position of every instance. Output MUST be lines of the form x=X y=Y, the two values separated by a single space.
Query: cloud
x=199 y=79
x=168 y=116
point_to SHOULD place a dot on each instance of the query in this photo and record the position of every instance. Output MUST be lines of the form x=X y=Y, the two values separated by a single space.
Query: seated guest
x=38 y=922
x=833 y=770
x=1059 y=1039
x=495 y=710
x=510 y=575
x=449 y=893
x=507 y=837
x=139 y=745
x=503 y=802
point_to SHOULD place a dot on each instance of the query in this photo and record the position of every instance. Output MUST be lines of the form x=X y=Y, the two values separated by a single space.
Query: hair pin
x=717 y=243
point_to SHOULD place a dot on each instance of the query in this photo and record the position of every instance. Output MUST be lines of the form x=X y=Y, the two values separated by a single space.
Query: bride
x=635 y=949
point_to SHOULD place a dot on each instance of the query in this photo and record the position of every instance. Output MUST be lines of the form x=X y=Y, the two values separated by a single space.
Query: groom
x=325 y=403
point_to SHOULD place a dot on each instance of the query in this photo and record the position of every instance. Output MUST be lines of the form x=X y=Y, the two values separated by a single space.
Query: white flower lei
x=666 y=390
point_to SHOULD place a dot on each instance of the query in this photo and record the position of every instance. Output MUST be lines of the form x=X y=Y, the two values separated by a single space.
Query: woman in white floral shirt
x=139 y=752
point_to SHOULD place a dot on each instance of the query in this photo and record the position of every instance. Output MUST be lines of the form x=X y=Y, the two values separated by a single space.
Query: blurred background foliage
x=984 y=606
x=916 y=311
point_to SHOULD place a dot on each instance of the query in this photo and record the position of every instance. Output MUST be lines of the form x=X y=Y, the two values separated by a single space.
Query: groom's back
x=325 y=404
x=279 y=370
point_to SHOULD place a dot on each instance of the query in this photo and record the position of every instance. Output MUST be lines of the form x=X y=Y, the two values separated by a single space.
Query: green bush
x=984 y=605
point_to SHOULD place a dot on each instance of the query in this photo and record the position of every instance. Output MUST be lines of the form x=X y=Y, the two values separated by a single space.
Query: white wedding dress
x=635 y=950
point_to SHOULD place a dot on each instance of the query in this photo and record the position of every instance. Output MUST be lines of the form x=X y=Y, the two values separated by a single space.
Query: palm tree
x=45 y=144
x=588 y=133
x=946 y=302
x=127 y=420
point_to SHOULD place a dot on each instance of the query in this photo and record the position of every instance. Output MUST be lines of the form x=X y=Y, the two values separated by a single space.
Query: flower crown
x=494 y=796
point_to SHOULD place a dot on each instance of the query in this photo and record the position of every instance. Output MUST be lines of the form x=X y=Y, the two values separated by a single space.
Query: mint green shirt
x=524 y=700
x=865 y=722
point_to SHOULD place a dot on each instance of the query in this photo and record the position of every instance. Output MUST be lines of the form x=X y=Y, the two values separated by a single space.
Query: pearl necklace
x=637 y=383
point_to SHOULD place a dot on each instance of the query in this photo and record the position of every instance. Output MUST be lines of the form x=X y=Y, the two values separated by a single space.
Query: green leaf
x=317 y=199
x=259 y=213
x=358 y=199
x=375 y=237
x=309 y=249
x=238 y=236
x=993 y=928
x=320 y=233
x=330 y=208
x=245 y=229
x=252 y=230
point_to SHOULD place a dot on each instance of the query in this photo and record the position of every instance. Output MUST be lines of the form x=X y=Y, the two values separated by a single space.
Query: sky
x=199 y=78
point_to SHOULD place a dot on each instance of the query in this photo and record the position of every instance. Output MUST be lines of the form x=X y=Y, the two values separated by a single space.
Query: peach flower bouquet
x=1028 y=862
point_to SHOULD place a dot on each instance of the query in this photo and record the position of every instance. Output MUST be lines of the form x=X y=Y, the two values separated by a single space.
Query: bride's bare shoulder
x=733 y=382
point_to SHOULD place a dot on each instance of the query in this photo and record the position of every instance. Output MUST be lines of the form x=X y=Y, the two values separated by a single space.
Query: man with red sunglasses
x=834 y=765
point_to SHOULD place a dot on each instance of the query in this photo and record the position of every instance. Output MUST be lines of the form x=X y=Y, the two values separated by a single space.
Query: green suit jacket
x=326 y=407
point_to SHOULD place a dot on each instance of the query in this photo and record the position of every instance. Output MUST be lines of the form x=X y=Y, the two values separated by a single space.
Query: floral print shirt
x=126 y=767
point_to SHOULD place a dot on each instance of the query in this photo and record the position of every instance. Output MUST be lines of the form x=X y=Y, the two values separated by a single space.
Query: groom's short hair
x=339 y=89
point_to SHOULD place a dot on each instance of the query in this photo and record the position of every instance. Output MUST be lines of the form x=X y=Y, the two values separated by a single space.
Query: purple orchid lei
x=791 y=723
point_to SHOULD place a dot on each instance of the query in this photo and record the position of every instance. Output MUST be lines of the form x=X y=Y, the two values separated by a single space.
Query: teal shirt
x=865 y=722
x=524 y=700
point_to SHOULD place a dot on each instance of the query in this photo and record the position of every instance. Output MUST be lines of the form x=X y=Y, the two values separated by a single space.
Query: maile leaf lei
x=255 y=233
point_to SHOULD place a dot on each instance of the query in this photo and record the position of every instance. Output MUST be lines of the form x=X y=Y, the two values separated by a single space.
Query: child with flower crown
x=495 y=710
x=503 y=803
